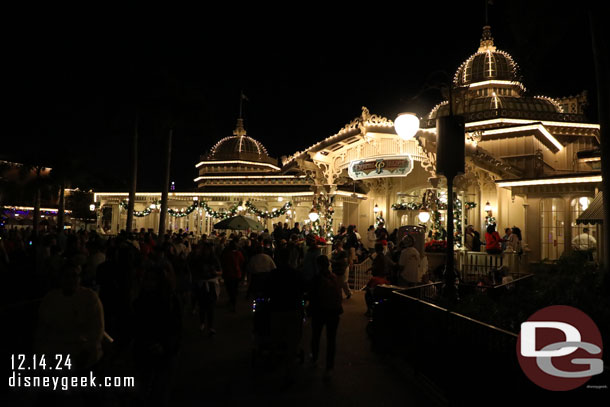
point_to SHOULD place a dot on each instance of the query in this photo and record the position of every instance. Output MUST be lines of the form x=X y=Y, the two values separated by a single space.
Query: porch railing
x=458 y=356
x=359 y=274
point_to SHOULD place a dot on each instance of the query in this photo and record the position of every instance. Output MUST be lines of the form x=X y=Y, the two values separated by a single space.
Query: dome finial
x=239 y=128
x=487 y=41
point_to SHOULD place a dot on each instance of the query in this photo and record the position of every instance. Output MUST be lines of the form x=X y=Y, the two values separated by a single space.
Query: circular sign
x=559 y=348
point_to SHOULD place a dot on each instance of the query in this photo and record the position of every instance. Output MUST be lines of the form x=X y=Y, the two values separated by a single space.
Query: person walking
x=325 y=309
x=232 y=262
x=206 y=270
x=409 y=262
x=259 y=267
x=340 y=267
x=371 y=239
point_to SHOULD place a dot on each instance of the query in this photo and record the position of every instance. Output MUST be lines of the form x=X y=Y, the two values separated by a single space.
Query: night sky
x=74 y=84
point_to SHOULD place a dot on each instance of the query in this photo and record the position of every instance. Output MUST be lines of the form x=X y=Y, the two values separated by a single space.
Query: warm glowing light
x=487 y=207
x=525 y=121
x=549 y=181
x=538 y=127
x=271 y=177
x=376 y=209
x=92 y=207
x=424 y=216
x=584 y=202
x=313 y=215
x=236 y=162
x=406 y=125
x=280 y=199
x=240 y=208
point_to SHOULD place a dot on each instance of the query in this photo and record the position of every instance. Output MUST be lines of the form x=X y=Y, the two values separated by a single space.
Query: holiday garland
x=266 y=214
x=232 y=211
x=323 y=206
x=435 y=205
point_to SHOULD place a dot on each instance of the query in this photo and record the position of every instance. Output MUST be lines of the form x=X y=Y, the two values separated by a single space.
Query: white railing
x=477 y=265
x=360 y=274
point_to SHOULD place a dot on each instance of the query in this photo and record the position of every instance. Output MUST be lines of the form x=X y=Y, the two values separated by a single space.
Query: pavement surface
x=218 y=370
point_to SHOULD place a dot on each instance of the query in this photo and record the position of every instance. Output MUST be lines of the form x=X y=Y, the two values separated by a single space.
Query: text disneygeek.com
x=17 y=380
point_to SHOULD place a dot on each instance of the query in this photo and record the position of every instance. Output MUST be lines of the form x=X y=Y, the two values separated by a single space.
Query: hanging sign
x=385 y=166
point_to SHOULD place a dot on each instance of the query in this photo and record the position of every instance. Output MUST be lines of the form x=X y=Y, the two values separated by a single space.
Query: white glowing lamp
x=584 y=202
x=313 y=215
x=376 y=209
x=424 y=216
x=406 y=125
x=92 y=207
x=487 y=207
x=280 y=199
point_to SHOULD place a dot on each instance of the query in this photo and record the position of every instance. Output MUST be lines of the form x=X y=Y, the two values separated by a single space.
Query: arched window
x=577 y=207
x=552 y=221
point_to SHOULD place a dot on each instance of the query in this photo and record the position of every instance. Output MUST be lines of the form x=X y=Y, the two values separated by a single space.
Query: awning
x=594 y=213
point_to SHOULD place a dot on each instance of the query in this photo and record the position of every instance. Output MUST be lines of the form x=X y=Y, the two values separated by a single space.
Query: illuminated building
x=531 y=157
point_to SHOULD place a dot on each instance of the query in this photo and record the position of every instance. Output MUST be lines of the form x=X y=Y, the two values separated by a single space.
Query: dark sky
x=73 y=83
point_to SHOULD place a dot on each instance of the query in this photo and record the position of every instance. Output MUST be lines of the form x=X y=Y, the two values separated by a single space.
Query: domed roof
x=534 y=105
x=487 y=64
x=239 y=147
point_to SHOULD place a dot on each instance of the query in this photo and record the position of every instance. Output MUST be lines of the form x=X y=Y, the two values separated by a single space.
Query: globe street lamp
x=313 y=215
x=450 y=145
x=406 y=125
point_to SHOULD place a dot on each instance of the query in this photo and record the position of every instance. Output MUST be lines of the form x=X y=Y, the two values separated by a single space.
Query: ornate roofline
x=358 y=125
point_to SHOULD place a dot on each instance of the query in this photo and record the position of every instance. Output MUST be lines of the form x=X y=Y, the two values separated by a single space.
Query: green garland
x=266 y=214
x=438 y=231
x=219 y=214
x=408 y=206
x=232 y=211
x=138 y=214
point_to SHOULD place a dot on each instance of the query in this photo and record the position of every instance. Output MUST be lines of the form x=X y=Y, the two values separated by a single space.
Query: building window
x=552 y=220
x=577 y=207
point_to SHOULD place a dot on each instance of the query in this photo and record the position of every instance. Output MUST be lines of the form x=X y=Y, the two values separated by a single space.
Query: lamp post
x=450 y=163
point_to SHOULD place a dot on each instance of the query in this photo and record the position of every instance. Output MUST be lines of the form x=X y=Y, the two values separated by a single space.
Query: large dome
x=239 y=147
x=487 y=64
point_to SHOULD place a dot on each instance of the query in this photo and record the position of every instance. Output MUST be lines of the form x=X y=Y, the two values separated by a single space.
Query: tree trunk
x=602 y=72
x=36 y=216
x=61 y=207
x=165 y=187
x=134 y=178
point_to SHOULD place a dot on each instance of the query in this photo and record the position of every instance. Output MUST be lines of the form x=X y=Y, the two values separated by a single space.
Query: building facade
x=531 y=162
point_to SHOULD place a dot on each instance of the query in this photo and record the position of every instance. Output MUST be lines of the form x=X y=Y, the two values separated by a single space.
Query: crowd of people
x=493 y=243
x=133 y=290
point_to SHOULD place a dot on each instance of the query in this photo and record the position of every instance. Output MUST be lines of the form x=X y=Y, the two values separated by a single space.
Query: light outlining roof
x=496 y=82
x=488 y=63
x=213 y=194
x=549 y=181
x=250 y=177
x=199 y=164
x=534 y=126
x=31 y=208
x=553 y=101
x=366 y=119
x=525 y=121
x=242 y=142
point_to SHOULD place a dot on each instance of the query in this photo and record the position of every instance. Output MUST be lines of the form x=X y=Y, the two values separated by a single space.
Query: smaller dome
x=239 y=147
x=487 y=64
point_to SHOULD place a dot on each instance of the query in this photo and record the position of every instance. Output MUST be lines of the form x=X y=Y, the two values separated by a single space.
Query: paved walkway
x=217 y=371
